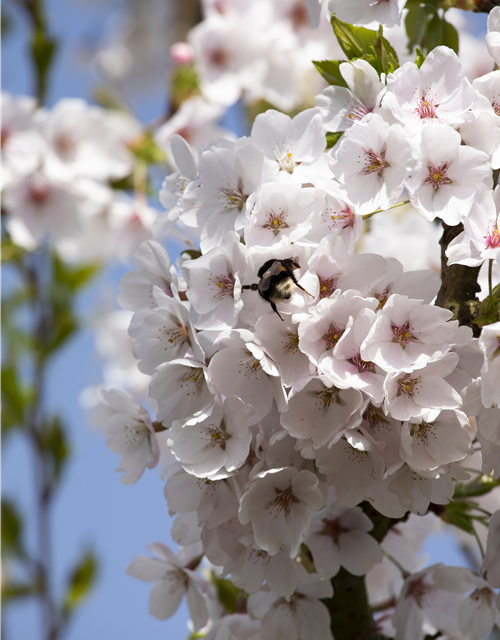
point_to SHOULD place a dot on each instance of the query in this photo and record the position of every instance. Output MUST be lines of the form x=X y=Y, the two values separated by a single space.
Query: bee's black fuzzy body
x=276 y=281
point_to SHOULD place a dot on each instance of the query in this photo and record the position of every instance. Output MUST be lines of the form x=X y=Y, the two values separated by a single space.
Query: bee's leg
x=301 y=287
x=273 y=306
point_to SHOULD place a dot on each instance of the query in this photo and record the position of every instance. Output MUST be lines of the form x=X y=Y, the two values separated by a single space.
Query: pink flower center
x=425 y=107
x=333 y=528
x=374 y=416
x=496 y=107
x=299 y=16
x=403 y=335
x=357 y=110
x=344 y=218
x=232 y=198
x=219 y=57
x=493 y=238
x=38 y=193
x=64 y=144
x=406 y=385
x=331 y=337
x=382 y=298
x=275 y=222
x=326 y=287
x=5 y=136
x=418 y=590
x=375 y=162
x=292 y=344
x=283 y=501
x=361 y=364
x=438 y=176
x=225 y=286
x=328 y=397
x=175 y=336
x=286 y=159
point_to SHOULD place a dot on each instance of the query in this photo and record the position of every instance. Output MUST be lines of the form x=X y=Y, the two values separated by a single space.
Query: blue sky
x=94 y=509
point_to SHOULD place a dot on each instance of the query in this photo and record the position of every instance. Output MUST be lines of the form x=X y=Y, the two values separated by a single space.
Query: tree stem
x=350 y=613
x=459 y=284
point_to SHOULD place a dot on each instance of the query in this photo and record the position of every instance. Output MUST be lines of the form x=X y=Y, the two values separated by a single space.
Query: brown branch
x=459 y=284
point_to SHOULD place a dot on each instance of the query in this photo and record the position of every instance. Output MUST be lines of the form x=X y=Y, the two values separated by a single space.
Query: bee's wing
x=265 y=281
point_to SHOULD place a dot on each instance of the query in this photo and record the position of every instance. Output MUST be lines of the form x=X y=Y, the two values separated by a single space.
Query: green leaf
x=74 y=277
x=184 y=84
x=489 y=309
x=194 y=254
x=124 y=184
x=43 y=50
x=383 y=57
x=419 y=58
x=330 y=71
x=14 y=399
x=457 y=512
x=81 y=580
x=56 y=447
x=439 y=32
x=227 y=593
x=11 y=530
x=147 y=150
x=479 y=487
x=355 y=42
x=13 y=590
x=333 y=138
x=416 y=23
x=7 y=23
x=358 y=42
x=10 y=251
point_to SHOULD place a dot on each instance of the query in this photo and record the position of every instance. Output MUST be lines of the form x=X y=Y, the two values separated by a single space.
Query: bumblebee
x=276 y=281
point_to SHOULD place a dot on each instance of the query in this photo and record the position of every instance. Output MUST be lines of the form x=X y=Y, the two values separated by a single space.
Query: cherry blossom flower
x=490 y=567
x=282 y=213
x=448 y=175
x=173 y=580
x=478 y=612
x=246 y=370
x=321 y=413
x=304 y=616
x=386 y=12
x=85 y=141
x=181 y=389
x=409 y=395
x=341 y=107
x=437 y=92
x=215 y=281
x=163 y=334
x=434 y=594
x=216 y=446
x=196 y=121
x=490 y=380
x=339 y=537
x=427 y=444
x=155 y=270
x=214 y=501
x=480 y=239
x=22 y=143
x=350 y=466
x=493 y=36
x=408 y=334
x=229 y=173
x=291 y=147
x=40 y=208
x=130 y=433
x=278 y=504
x=372 y=162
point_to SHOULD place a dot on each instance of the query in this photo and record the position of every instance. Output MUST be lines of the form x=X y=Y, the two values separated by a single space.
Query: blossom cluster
x=59 y=166
x=295 y=379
